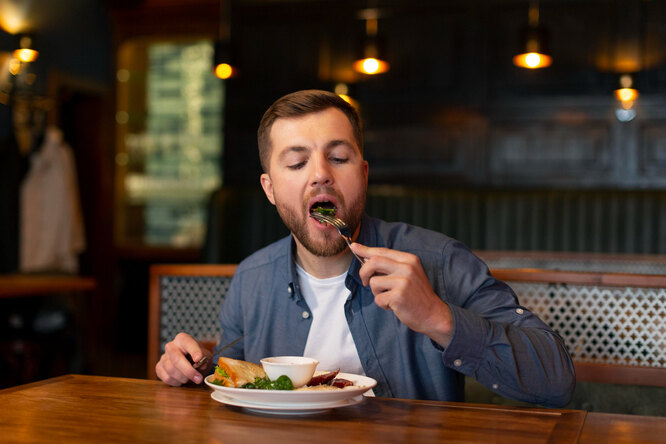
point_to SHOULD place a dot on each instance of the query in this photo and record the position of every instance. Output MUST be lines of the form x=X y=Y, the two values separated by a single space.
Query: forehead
x=311 y=130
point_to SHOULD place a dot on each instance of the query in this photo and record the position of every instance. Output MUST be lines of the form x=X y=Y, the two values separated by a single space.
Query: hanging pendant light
x=626 y=96
x=26 y=53
x=222 y=60
x=222 y=56
x=534 y=43
x=370 y=60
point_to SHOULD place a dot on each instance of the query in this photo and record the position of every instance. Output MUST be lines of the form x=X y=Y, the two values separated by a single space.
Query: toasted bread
x=236 y=373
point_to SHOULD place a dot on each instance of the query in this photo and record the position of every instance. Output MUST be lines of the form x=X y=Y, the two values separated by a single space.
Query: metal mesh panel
x=191 y=304
x=611 y=325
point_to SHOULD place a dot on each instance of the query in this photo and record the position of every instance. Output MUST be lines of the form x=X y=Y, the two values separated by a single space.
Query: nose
x=321 y=171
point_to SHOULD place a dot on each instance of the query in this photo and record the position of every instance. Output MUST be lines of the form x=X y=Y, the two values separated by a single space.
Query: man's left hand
x=399 y=284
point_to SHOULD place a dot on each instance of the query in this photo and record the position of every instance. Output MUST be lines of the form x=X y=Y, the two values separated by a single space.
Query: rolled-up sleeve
x=497 y=341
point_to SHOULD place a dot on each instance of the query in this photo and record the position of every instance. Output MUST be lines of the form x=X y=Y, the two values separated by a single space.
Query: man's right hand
x=174 y=367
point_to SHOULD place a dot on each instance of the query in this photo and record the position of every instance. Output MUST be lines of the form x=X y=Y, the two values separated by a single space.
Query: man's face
x=314 y=159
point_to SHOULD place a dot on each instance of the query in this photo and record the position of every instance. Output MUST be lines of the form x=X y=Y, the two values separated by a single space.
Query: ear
x=267 y=185
x=366 y=168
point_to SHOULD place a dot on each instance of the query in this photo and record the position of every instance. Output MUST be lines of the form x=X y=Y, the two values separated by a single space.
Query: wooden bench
x=614 y=324
x=576 y=261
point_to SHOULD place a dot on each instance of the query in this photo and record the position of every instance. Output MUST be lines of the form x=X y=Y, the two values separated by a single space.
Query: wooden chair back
x=185 y=298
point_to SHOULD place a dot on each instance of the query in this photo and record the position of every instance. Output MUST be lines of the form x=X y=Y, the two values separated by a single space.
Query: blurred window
x=169 y=141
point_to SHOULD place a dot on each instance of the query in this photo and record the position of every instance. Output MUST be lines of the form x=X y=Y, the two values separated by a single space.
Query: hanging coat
x=52 y=233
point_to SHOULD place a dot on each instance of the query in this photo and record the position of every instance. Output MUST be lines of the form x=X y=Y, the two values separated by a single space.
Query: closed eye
x=296 y=166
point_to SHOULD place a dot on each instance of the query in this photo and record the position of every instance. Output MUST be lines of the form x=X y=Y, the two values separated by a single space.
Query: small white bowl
x=298 y=368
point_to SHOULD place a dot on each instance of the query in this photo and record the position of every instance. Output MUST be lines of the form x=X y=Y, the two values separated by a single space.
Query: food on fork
x=236 y=373
x=324 y=208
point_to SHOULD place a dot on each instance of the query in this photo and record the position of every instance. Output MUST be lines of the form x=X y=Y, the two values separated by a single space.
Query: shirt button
x=305 y=315
x=519 y=311
x=457 y=362
x=495 y=386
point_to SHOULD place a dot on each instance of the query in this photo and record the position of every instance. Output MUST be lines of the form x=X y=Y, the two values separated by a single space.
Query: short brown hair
x=301 y=103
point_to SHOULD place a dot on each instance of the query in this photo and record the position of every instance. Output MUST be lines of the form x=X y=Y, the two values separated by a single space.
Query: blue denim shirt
x=496 y=341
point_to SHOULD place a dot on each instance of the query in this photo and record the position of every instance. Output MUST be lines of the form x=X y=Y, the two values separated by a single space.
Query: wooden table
x=77 y=409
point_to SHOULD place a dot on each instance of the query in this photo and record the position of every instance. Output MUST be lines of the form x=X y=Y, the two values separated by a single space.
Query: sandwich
x=235 y=373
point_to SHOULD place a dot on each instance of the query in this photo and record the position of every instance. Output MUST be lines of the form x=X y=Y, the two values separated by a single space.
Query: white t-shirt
x=329 y=340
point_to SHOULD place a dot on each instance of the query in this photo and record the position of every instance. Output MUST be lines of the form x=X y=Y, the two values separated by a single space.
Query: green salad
x=324 y=211
x=281 y=383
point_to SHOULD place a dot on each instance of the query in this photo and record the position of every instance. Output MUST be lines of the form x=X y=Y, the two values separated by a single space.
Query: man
x=418 y=315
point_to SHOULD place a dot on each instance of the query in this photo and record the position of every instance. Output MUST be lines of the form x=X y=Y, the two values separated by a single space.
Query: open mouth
x=324 y=207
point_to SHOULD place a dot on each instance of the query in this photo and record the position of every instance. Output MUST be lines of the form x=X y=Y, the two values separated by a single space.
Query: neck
x=323 y=267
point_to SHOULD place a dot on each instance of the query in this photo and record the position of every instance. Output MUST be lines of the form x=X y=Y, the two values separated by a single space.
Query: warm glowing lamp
x=224 y=71
x=626 y=94
x=222 y=61
x=223 y=57
x=371 y=65
x=25 y=53
x=342 y=90
x=534 y=43
x=370 y=61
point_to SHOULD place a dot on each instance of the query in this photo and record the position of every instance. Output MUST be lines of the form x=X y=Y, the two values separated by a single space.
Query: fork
x=339 y=225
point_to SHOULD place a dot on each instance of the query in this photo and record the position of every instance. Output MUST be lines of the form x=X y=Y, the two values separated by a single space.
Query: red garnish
x=341 y=383
x=324 y=378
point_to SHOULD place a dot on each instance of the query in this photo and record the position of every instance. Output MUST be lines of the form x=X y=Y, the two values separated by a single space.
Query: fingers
x=168 y=373
x=399 y=283
x=174 y=367
x=385 y=262
x=369 y=252
x=387 y=289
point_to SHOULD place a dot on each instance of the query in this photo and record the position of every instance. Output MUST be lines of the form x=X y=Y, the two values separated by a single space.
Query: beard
x=324 y=243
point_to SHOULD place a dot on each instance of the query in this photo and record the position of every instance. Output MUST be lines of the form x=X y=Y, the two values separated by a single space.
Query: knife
x=205 y=359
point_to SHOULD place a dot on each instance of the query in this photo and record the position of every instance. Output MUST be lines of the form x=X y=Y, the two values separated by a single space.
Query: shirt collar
x=367 y=236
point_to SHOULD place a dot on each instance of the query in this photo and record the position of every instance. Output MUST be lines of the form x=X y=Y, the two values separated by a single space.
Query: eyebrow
x=295 y=148
x=338 y=142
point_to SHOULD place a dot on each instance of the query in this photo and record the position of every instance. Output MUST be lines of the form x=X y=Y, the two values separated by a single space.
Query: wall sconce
x=370 y=59
x=533 y=43
x=25 y=53
x=626 y=96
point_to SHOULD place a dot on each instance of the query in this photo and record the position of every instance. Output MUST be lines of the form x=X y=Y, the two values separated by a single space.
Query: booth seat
x=613 y=324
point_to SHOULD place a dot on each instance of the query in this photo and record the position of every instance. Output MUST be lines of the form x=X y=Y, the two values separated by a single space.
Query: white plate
x=303 y=399
x=285 y=409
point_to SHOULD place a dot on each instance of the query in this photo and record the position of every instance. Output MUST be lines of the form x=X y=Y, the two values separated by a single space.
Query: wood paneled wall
x=453 y=110
x=603 y=221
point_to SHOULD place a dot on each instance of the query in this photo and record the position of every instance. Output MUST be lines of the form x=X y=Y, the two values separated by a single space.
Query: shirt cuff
x=468 y=343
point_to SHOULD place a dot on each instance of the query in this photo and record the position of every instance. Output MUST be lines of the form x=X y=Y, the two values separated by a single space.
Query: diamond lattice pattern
x=191 y=304
x=612 y=325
